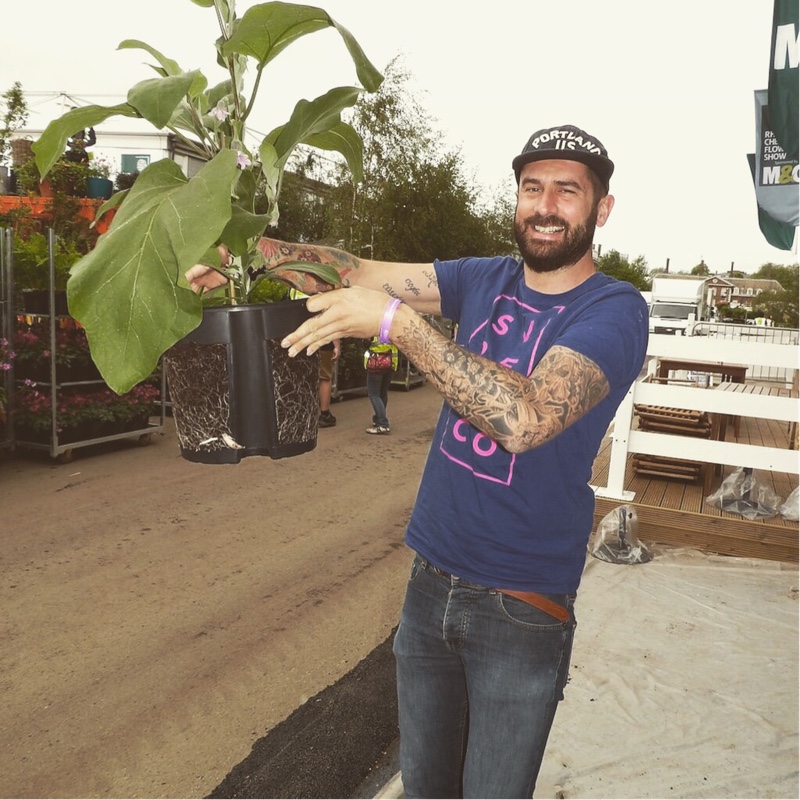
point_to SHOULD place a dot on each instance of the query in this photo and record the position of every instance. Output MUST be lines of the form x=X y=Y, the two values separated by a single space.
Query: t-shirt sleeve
x=612 y=332
x=452 y=277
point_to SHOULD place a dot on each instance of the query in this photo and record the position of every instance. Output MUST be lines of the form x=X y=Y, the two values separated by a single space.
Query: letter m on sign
x=783 y=75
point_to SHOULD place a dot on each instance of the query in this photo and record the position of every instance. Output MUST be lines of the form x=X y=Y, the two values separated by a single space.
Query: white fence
x=758 y=334
x=757 y=356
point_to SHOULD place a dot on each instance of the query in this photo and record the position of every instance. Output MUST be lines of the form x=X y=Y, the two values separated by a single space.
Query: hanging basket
x=234 y=390
x=21 y=152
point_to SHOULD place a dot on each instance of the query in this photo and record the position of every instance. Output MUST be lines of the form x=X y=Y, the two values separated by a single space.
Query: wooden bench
x=733 y=373
x=766 y=391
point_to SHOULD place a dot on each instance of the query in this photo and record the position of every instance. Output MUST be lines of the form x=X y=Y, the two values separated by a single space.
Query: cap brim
x=602 y=166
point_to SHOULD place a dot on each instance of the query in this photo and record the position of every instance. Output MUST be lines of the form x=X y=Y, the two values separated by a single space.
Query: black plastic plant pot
x=234 y=390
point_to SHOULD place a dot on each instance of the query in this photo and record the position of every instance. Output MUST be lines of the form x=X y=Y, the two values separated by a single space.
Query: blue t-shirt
x=522 y=521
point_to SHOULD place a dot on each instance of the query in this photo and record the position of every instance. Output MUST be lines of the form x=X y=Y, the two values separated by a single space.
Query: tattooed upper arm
x=517 y=411
x=564 y=386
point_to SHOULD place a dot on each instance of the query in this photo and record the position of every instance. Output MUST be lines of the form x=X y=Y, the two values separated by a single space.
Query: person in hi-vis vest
x=327 y=355
x=378 y=387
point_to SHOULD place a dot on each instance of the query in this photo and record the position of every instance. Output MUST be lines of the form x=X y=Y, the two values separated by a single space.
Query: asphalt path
x=172 y=629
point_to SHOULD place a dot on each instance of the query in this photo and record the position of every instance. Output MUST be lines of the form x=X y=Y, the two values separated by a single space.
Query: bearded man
x=545 y=349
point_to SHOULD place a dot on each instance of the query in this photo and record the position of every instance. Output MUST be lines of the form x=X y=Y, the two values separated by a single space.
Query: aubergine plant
x=130 y=292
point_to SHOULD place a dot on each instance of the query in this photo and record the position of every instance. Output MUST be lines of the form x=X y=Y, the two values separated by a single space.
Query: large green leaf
x=129 y=292
x=158 y=98
x=267 y=29
x=309 y=118
x=344 y=139
x=52 y=143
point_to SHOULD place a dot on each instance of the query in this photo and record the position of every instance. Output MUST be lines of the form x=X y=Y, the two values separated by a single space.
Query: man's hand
x=339 y=314
x=203 y=278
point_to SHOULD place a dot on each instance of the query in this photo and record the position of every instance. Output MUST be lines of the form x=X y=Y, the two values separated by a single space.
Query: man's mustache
x=545 y=222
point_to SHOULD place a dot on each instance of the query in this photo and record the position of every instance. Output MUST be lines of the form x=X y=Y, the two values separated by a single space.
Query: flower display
x=34 y=406
x=7 y=355
x=32 y=346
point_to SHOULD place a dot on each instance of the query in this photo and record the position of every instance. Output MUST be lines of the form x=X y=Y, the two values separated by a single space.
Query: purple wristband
x=386 y=322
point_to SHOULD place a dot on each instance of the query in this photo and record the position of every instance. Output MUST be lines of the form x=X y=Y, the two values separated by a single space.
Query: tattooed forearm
x=518 y=412
x=411 y=287
x=276 y=253
x=431 y=276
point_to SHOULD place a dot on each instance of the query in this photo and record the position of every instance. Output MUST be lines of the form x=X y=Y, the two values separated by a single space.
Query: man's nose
x=546 y=202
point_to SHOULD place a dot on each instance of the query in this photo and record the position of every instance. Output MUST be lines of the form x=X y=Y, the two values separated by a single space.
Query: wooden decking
x=673 y=511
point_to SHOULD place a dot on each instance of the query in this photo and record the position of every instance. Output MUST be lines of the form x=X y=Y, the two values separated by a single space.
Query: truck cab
x=677 y=303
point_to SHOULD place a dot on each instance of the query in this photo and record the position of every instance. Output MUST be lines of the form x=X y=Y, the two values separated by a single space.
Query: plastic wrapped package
x=743 y=493
x=789 y=508
x=616 y=539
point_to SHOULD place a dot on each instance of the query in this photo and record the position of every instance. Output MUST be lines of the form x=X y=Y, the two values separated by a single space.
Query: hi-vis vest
x=376 y=347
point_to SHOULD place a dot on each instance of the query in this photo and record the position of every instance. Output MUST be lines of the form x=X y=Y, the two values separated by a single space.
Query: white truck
x=677 y=303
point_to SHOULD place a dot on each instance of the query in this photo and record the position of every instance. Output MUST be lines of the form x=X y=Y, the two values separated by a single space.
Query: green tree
x=15 y=115
x=701 y=269
x=780 y=305
x=415 y=201
x=614 y=264
x=726 y=313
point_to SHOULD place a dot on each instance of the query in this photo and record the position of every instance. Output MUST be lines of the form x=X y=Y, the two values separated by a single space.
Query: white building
x=127 y=144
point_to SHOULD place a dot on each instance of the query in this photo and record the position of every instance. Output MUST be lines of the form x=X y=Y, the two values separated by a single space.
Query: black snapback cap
x=570 y=144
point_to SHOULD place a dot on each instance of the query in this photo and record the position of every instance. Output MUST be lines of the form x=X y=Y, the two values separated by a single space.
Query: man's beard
x=543 y=256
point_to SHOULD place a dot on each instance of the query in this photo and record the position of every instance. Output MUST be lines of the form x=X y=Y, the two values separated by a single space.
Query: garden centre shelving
x=6 y=333
x=62 y=447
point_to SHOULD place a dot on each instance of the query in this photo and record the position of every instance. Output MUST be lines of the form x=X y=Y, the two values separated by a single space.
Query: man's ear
x=604 y=209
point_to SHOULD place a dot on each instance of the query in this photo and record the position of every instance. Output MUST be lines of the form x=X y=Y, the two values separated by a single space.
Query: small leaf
x=300 y=274
x=170 y=67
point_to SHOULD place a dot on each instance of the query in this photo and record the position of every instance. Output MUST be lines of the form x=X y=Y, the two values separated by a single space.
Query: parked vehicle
x=677 y=303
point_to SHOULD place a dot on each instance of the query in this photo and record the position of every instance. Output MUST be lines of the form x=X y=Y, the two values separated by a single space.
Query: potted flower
x=64 y=177
x=125 y=180
x=130 y=292
x=99 y=183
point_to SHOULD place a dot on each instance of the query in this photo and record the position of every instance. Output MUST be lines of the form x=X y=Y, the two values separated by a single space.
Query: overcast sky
x=667 y=87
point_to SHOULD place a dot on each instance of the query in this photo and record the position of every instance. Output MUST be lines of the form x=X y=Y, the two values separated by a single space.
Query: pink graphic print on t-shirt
x=511 y=336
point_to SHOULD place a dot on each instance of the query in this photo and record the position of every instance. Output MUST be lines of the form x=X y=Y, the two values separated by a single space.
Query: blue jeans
x=378 y=393
x=479 y=677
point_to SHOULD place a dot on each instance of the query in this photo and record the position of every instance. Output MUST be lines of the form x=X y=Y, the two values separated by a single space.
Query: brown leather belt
x=541 y=602
x=531 y=598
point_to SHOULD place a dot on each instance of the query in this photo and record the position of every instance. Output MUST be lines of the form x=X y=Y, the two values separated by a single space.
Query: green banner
x=777 y=176
x=783 y=75
x=778 y=234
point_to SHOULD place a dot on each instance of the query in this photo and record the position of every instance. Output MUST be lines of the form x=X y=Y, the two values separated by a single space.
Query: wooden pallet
x=680 y=422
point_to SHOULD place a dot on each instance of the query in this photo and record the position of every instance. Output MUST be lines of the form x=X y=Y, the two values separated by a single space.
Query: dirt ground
x=160 y=617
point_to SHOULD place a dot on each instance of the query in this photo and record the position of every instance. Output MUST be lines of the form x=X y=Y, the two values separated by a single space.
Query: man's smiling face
x=557 y=212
